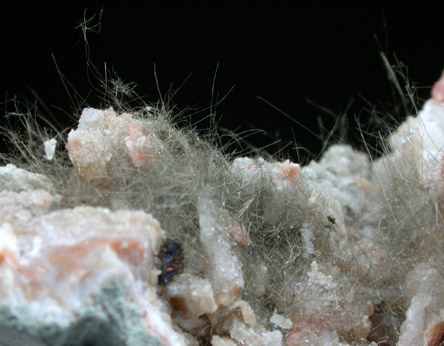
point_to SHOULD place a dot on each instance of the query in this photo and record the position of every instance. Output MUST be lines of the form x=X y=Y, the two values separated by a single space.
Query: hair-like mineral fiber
x=191 y=166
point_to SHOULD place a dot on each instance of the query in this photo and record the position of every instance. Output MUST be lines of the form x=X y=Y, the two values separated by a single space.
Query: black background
x=289 y=55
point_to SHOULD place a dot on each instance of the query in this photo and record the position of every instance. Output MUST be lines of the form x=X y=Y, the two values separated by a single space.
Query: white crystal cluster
x=419 y=141
x=104 y=141
x=343 y=251
x=71 y=271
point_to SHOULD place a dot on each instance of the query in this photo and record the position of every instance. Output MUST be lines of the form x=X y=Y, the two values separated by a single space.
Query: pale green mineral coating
x=109 y=320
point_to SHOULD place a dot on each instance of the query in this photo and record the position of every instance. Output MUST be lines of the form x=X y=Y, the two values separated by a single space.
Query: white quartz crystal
x=50 y=145
x=59 y=267
x=305 y=336
x=192 y=295
x=421 y=134
x=281 y=321
x=20 y=208
x=329 y=302
x=418 y=143
x=222 y=341
x=105 y=140
x=342 y=173
x=248 y=336
x=284 y=175
x=224 y=267
x=341 y=190
x=17 y=179
x=424 y=323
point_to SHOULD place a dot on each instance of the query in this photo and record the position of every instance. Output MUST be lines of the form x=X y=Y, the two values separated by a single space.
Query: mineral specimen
x=346 y=250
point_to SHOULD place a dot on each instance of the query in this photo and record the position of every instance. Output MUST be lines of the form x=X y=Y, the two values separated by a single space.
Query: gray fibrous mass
x=135 y=231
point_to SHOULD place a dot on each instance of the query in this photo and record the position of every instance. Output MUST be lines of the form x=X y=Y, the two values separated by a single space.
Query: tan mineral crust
x=83 y=274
